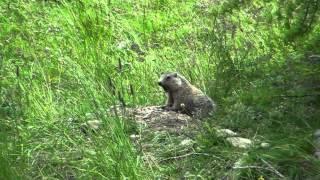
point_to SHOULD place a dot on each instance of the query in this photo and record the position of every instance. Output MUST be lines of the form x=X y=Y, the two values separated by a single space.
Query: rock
x=317 y=143
x=186 y=142
x=317 y=133
x=134 y=136
x=239 y=142
x=92 y=125
x=226 y=133
x=264 y=145
x=317 y=154
x=122 y=45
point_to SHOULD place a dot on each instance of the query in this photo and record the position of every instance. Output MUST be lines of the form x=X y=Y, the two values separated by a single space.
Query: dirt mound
x=155 y=119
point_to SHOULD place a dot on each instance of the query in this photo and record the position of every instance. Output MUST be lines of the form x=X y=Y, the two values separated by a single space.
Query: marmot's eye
x=168 y=77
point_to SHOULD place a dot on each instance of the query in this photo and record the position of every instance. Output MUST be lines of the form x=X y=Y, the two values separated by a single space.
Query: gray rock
x=317 y=133
x=186 y=142
x=90 y=126
x=264 y=145
x=94 y=124
x=134 y=136
x=226 y=133
x=240 y=142
x=317 y=154
x=317 y=143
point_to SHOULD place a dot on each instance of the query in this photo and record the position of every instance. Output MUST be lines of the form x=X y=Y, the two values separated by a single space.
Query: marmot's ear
x=175 y=74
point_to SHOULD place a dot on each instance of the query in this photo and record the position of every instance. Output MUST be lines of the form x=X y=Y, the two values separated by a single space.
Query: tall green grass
x=60 y=60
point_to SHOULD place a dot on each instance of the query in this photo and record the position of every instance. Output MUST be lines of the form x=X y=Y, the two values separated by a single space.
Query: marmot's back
x=184 y=97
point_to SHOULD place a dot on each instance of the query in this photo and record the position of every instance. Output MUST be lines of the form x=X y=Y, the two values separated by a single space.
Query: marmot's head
x=170 y=81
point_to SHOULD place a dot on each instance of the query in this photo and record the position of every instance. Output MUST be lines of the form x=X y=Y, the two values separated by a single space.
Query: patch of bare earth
x=162 y=135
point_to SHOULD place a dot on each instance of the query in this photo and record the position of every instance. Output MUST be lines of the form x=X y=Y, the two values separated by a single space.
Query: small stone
x=317 y=133
x=134 y=136
x=94 y=124
x=240 y=142
x=90 y=126
x=47 y=49
x=122 y=45
x=264 y=145
x=186 y=142
x=317 y=154
x=317 y=143
x=226 y=133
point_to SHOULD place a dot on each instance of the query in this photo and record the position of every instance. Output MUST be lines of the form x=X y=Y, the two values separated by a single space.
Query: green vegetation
x=61 y=60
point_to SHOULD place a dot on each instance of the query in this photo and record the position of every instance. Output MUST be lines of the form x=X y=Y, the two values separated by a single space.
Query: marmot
x=184 y=97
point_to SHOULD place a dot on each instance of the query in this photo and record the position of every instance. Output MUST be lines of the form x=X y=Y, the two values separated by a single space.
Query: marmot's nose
x=159 y=83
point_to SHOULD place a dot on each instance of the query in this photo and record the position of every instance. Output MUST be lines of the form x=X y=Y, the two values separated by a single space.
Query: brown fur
x=184 y=97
